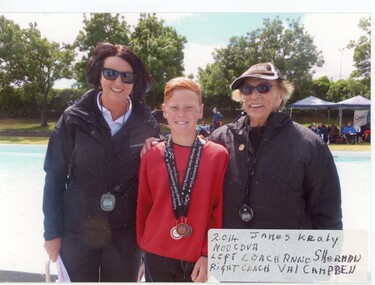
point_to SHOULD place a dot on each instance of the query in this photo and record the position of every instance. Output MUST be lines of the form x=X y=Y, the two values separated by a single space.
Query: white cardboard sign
x=303 y=256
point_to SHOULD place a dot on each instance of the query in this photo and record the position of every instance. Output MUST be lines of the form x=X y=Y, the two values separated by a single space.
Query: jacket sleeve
x=56 y=165
x=144 y=201
x=324 y=192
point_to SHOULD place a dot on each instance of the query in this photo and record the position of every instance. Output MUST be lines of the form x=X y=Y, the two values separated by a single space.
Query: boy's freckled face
x=182 y=111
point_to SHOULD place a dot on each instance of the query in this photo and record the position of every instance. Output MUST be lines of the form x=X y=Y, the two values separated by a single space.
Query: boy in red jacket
x=180 y=191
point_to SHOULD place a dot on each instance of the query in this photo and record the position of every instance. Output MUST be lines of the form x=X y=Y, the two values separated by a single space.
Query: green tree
x=215 y=78
x=358 y=87
x=60 y=99
x=31 y=62
x=161 y=49
x=320 y=87
x=362 y=51
x=98 y=27
x=345 y=89
x=289 y=47
x=14 y=104
x=215 y=87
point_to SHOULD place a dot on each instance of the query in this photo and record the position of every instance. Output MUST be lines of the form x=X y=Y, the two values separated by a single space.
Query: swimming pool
x=351 y=157
x=21 y=184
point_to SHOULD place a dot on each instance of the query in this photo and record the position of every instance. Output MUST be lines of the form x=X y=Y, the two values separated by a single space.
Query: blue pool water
x=21 y=191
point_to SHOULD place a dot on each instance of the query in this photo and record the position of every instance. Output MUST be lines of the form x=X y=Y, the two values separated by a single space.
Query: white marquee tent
x=355 y=103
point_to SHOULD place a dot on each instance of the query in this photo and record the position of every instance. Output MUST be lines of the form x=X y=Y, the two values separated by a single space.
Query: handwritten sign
x=304 y=256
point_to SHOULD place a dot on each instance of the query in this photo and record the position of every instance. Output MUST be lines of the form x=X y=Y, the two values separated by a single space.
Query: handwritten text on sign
x=288 y=256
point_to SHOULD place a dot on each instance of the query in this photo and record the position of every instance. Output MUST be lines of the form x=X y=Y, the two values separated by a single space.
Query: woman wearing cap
x=280 y=175
x=91 y=166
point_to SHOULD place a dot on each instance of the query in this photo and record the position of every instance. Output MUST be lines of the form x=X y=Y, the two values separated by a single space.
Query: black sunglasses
x=261 y=88
x=127 y=77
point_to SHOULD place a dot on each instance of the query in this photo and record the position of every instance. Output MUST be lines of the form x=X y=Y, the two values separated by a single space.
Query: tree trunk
x=43 y=115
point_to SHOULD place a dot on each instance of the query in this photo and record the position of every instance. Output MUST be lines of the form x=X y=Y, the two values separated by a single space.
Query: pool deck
x=18 y=276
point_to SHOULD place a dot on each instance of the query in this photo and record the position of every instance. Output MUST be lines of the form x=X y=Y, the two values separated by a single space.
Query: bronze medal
x=189 y=231
x=182 y=229
x=174 y=234
x=107 y=202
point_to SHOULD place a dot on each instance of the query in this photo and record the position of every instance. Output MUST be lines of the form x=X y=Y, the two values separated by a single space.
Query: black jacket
x=293 y=181
x=83 y=162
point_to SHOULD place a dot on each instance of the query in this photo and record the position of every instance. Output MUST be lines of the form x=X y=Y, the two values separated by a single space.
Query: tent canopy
x=312 y=102
x=355 y=103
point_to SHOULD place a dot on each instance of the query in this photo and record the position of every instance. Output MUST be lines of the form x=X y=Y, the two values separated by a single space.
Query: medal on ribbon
x=107 y=202
x=246 y=213
x=174 y=234
x=181 y=195
x=189 y=231
x=182 y=229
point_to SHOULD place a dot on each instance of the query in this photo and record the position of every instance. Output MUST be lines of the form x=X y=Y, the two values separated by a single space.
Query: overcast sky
x=332 y=28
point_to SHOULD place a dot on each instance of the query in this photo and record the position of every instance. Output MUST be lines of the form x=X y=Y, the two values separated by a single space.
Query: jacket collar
x=85 y=107
x=275 y=121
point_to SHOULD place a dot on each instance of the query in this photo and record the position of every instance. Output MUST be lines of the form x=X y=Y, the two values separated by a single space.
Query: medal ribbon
x=181 y=195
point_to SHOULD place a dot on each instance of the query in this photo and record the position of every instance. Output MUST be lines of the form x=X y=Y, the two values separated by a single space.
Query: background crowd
x=344 y=135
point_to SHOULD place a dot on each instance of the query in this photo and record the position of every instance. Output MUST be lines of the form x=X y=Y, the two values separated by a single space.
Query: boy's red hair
x=182 y=83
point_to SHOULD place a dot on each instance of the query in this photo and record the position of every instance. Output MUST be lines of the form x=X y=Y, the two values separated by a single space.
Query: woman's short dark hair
x=143 y=82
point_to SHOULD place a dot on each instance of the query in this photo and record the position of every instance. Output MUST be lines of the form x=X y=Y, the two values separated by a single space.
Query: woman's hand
x=53 y=248
x=149 y=143
x=199 y=273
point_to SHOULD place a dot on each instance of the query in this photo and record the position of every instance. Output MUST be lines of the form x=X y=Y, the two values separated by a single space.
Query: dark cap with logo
x=261 y=70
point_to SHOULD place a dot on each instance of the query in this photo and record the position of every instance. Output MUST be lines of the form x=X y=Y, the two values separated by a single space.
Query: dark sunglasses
x=126 y=77
x=261 y=88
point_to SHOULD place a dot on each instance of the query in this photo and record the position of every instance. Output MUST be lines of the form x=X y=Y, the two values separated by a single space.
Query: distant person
x=203 y=129
x=323 y=131
x=363 y=133
x=333 y=133
x=315 y=129
x=217 y=119
x=367 y=132
x=180 y=191
x=350 y=133
x=91 y=165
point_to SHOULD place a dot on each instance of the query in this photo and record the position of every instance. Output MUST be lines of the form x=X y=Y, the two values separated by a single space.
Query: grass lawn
x=350 y=147
x=24 y=131
x=24 y=125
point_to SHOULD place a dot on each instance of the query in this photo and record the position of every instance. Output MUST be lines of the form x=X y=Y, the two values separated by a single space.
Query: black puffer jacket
x=294 y=185
x=82 y=148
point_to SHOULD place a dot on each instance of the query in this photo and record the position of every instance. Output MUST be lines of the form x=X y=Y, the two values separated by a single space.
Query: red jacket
x=155 y=216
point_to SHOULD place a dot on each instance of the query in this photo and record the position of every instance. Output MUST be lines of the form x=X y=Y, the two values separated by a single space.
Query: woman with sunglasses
x=280 y=174
x=91 y=166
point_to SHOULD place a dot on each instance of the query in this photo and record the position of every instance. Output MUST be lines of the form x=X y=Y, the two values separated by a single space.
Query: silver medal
x=174 y=234
x=246 y=213
x=107 y=202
